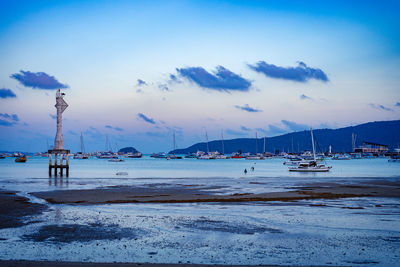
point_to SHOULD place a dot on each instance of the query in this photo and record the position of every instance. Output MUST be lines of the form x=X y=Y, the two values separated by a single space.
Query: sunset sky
x=137 y=71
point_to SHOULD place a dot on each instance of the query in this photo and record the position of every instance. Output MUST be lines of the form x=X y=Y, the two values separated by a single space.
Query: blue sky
x=138 y=71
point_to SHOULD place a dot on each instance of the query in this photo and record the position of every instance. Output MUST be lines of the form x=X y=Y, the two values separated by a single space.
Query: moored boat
x=21 y=159
x=311 y=165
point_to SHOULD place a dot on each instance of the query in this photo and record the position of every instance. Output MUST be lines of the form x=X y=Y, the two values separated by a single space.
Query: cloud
x=381 y=107
x=8 y=119
x=304 y=97
x=163 y=87
x=145 y=118
x=174 y=79
x=53 y=116
x=301 y=73
x=397 y=104
x=114 y=128
x=221 y=80
x=262 y=130
x=273 y=130
x=243 y=128
x=38 y=80
x=293 y=126
x=6 y=93
x=233 y=132
x=247 y=108
x=141 y=82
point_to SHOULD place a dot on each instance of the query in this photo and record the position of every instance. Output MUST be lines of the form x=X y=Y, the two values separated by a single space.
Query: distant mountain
x=128 y=150
x=381 y=132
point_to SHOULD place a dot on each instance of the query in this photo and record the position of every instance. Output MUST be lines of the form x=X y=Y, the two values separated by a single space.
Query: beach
x=267 y=217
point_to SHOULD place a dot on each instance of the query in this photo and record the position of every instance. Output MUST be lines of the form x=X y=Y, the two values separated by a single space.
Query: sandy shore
x=193 y=193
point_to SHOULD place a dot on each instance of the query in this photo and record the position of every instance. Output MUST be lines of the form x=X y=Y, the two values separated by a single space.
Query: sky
x=136 y=72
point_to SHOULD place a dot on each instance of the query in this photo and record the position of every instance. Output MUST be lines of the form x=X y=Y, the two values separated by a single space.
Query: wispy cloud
x=221 y=80
x=243 y=128
x=174 y=79
x=38 y=80
x=141 y=82
x=304 y=97
x=262 y=130
x=114 y=128
x=380 y=107
x=236 y=133
x=145 y=118
x=301 y=73
x=163 y=87
x=247 y=108
x=7 y=93
x=397 y=104
x=293 y=126
x=53 y=116
x=8 y=119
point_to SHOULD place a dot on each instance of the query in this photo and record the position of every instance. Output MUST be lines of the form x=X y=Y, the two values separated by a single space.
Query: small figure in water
x=252 y=169
x=245 y=171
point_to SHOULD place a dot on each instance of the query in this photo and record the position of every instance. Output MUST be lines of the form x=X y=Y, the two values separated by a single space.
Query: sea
x=329 y=232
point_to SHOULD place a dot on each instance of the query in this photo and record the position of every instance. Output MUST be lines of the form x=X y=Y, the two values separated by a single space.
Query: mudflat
x=197 y=193
x=14 y=208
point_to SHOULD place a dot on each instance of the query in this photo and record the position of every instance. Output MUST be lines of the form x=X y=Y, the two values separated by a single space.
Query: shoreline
x=31 y=263
x=198 y=194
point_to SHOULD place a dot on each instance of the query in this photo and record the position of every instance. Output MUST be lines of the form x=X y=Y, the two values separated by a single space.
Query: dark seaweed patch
x=66 y=233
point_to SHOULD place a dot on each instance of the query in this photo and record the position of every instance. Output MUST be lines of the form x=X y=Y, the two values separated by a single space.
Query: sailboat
x=82 y=154
x=208 y=155
x=173 y=156
x=256 y=156
x=221 y=156
x=311 y=165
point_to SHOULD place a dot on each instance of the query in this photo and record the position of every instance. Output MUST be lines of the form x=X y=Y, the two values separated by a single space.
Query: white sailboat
x=173 y=156
x=82 y=154
x=312 y=165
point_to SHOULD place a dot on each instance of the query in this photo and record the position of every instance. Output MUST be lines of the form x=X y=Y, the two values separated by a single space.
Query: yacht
x=312 y=165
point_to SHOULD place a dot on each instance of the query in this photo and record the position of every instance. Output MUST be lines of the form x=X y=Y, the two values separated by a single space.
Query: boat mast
x=256 y=143
x=223 y=148
x=174 y=141
x=82 y=145
x=264 y=144
x=313 y=146
x=208 y=151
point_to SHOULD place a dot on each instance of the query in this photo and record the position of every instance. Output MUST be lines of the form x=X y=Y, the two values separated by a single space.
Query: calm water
x=353 y=231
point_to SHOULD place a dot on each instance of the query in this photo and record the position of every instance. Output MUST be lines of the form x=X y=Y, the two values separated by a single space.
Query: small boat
x=160 y=155
x=236 y=156
x=20 y=159
x=311 y=165
x=395 y=158
x=116 y=160
x=134 y=155
x=255 y=157
x=173 y=156
x=341 y=157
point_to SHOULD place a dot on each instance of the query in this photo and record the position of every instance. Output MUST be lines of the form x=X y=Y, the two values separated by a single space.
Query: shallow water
x=353 y=232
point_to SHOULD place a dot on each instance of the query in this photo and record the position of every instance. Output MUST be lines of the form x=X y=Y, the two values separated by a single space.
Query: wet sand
x=169 y=193
x=14 y=208
x=92 y=264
